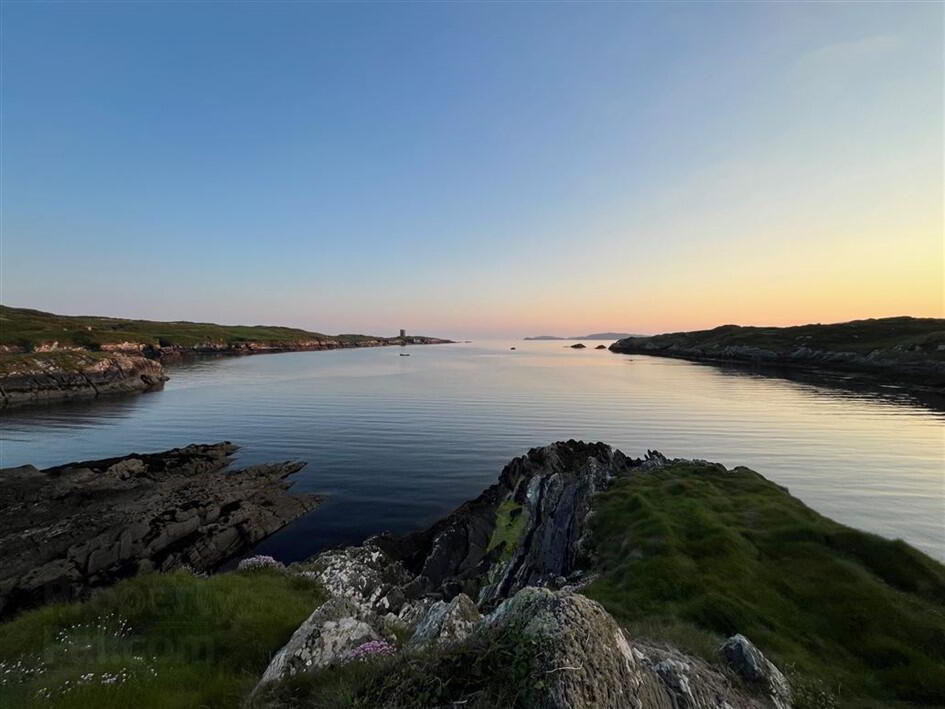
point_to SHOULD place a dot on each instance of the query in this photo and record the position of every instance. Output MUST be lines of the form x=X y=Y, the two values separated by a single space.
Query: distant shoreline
x=908 y=352
x=48 y=358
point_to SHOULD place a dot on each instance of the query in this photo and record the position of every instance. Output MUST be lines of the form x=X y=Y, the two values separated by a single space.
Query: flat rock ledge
x=514 y=559
x=60 y=376
x=73 y=527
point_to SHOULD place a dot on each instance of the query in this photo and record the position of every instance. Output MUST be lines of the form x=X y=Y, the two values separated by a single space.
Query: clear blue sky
x=473 y=169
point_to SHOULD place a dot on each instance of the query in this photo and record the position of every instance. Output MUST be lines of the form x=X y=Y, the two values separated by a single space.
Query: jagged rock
x=583 y=654
x=365 y=575
x=528 y=529
x=43 y=378
x=692 y=683
x=446 y=623
x=328 y=636
x=589 y=662
x=73 y=527
x=749 y=663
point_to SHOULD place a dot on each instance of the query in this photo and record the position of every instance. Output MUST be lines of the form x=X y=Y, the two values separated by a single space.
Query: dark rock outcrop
x=73 y=527
x=751 y=665
x=578 y=346
x=49 y=377
x=511 y=548
x=528 y=529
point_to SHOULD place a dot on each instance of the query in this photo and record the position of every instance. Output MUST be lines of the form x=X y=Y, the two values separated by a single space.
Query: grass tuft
x=168 y=641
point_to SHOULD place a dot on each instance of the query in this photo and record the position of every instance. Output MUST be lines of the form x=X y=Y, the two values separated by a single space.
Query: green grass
x=919 y=336
x=693 y=551
x=182 y=641
x=21 y=327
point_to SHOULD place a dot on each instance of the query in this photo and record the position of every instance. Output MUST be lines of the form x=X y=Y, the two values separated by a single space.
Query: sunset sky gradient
x=470 y=170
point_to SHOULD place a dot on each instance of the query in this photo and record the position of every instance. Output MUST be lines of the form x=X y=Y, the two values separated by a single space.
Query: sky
x=473 y=169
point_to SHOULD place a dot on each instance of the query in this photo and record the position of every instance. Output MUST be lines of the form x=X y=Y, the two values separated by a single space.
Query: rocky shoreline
x=70 y=528
x=75 y=374
x=916 y=362
x=582 y=578
x=170 y=352
x=52 y=374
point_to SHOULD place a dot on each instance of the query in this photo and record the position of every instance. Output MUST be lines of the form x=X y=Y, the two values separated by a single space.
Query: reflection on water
x=395 y=442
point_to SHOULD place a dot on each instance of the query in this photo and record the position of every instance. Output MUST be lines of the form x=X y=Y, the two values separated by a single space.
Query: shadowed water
x=396 y=442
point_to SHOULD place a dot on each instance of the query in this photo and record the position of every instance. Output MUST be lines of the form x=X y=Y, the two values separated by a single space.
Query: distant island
x=904 y=350
x=593 y=336
x=46 y=357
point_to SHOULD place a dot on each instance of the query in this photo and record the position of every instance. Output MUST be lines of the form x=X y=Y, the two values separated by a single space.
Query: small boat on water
x=404 y=354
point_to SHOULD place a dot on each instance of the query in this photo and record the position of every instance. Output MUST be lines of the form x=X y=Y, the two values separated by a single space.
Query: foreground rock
x=588 y=661
x=46 y=377
x=332 y=632
x=507 y=565
x=750 y=664
x=73 y=527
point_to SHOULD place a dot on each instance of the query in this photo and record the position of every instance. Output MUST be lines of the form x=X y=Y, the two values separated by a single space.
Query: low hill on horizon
x=901 y=349
x=24 y=329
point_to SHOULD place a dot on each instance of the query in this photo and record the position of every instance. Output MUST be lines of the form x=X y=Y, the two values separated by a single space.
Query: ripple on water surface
x=396 y=442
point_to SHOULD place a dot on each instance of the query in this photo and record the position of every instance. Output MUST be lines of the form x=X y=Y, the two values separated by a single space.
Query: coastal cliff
x=582 y=578
x=44 y=377
x=905 y=350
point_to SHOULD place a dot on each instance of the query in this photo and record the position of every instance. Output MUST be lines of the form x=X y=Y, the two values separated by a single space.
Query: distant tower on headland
x=403 y=333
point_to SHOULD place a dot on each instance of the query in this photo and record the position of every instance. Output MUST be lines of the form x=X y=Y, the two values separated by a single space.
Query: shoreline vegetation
x=46 y=358
x=906 y=351
x=652 y=582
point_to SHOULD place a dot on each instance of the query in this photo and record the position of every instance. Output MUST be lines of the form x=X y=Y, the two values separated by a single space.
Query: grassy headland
x=901 y=349
x=693 y=552
x=46 y=357
x=31 y=329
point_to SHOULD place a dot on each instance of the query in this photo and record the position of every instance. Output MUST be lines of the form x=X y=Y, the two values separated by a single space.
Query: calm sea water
x=396 y=442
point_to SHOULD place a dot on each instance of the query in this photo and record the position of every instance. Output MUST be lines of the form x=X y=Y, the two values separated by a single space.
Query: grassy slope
x=860 y=336
x=694 y=550
x=23 y=327
x=190 y=641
